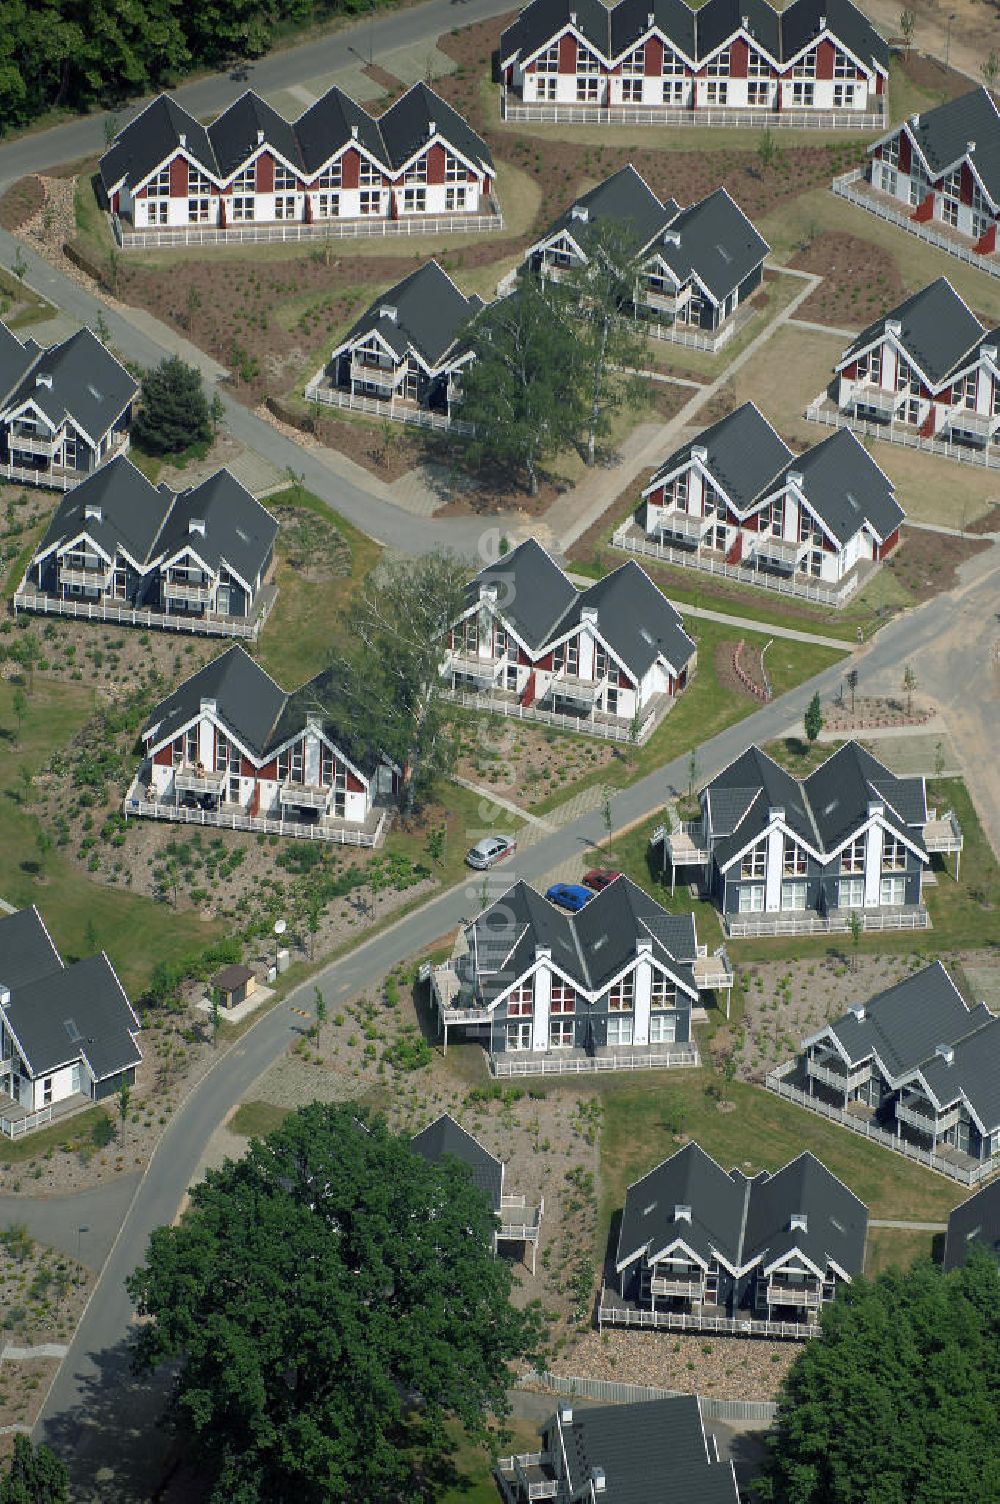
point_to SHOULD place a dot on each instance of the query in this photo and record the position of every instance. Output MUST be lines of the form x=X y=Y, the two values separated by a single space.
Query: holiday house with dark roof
x=229 y=747
x=915 y=1062
x=780 y=854
x=653 y=1452
x=544 y=990
x=943 y=166
x=67 y=1033
x=64 y=411
x=974 y=1223
x=404 y=357
x=698 y=265
x=930 y=368
x=735 y=1253
x=737 y=493
x=610 y=659
x=516 y=1221
x=720 y=64
x=333 y=170
x=120 y=549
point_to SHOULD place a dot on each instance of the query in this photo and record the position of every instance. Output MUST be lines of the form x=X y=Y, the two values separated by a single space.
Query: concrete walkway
x=908 y=1226
x=508 y=804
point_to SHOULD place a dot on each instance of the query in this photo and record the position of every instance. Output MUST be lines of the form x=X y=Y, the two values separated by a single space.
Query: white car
x=489 y=851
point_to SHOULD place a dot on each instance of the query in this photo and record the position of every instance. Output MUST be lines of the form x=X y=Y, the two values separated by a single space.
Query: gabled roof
x=149 y=139
x=313 y=700
x=739 y=799
x=542 y=19
x=406 y=126
x=805 y=20
x=328 y=125
x=975 y=1222
x=27 y=952
x=126 y=512
x=718 y=245
x=742 y=1218
x=238 y=531
x=904 y=1024
x=425 y=312
x=533 y=593
x=654 y=1452
x=745 y=456
x=973 y=1070
x=445 y=1137
x=590 y=947
x=841 y=788
x=846 y=488
x=938 y=331
x=626 y=199
x=244 y=127
x=15 y=359
x=943 y=136
x=77 y=379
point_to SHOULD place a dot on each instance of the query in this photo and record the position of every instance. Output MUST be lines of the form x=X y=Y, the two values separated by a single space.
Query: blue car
x=569 y=896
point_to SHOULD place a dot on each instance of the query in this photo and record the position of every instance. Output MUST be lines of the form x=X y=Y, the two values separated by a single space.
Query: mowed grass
x=135 y=932
x=257 y=1119
x=897 y=1247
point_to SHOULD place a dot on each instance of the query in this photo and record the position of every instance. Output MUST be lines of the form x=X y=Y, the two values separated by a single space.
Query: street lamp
x=79 y=1236
x=279 y=929
x=947 y=41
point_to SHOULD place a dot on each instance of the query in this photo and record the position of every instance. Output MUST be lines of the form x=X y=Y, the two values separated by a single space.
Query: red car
x=600 y=878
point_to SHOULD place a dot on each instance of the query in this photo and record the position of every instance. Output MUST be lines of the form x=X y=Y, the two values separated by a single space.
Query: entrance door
x=222 y=600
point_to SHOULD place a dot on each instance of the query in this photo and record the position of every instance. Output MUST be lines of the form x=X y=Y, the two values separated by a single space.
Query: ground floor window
x=284 y=206
x=198 y=211
x=587 y=90
x=243 y=210
x=662 y=1028
x=545 y=88
x=620 y=1030
x=949 y=212
x=371 y=201
x=47 y=1091
x=561 y=1033
x=716 y=91
x=674 y=90
x=758 y=93
x=328 y=206
x=157 y=211
x=454 y=198
x=851 y=893
x=519 y=1036
x=892 y=891
x=793 y=896
x=751 y=898
x=843 y=96
x=803 y=95
x=631 y=91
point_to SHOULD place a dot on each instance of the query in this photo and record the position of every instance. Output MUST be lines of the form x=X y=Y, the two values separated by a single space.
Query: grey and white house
x=610 y=658
x=975 y=1223
x=200 y=559
x=67 y=1033
x=719 y=64
x=544 y=990
x=653 y=1452
x=915 y=1061
x=943 y=168
x=516 y=1221
x=703 y=1249
x=404 y=357
x=780 y=854
x=697 y=265
x=230 y=747
x=336 y=169
x=928 y=368
x=736 y=494
x=65 y=410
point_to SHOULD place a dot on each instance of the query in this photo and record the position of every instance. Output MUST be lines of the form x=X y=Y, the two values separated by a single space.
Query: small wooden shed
x=234 y=984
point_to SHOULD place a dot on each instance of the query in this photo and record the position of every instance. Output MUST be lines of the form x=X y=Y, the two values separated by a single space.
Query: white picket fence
x=844 y=187
x=751 y=927
x=181 y=814
x=375 y=407
x=719 y=1326
x=807 y=590
x=514 y=109
x=560 y=1065
x=614 y=1393
x=18 y=1127
x=607 y=730
x=989 y=458
x=141 y=616
x=372 y=227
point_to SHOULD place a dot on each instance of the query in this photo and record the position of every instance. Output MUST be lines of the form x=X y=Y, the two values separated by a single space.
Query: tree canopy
x=333 y=1301
x=174 y=414
x=35 y=1476
x=896 y=1401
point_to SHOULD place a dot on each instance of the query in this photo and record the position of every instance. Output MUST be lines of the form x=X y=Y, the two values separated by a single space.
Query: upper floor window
x=521 y=1001
x=160 y=185
x=890 y=152
x=587 y=62
x=718 y=66
x=893 y=854
x=284 y=180
x=563 y=997
x=870 y=367
x=369 y=175
x=226 y=755
x=454 y=170
x=197 y=181
x=794 y=861
x=754 y=861
x=634 y=65
x=673 y=66
x=806 y=66
x=245 y=181
x=843 y=67
x=416 y=172
x=951 y=186
x=965 y=391
x=548 y=61
x=191 y=745
x=663 y=991
x=757 y=65
x=621 y=998
x=852 y=858
x=331 y=177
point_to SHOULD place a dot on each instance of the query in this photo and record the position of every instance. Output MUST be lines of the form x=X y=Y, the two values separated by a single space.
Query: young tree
x=692 y=770
x=174 y=413
x=214 y=1015
x=400 y=1323
x=27 y=778
x=990 y=69
x=320 y=1006
x=857 y=930
x=522 y=392
x=812 y=721
x=907 y=26
x=434 y=844
x=124 y=1099
x=35 y=1476
x=603 y=289
x=852 y=684
x=909 y=685
x=923 y=1429
x=314 y=915
x=102 y=328
x=607 y=814
x=91 y=944
x=767 y=149
x=43 y=845
x=19 y=705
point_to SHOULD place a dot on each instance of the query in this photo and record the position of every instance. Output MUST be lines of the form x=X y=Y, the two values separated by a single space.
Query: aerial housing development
x=499 y=794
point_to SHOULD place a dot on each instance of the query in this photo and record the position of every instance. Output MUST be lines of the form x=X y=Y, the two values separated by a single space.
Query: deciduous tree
x=35 y=1476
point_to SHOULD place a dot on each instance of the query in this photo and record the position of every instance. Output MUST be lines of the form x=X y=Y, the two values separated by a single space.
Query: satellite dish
x=280 y=927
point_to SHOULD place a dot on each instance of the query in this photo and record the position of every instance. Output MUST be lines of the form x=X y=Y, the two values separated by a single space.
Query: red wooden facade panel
x=435 y=163
x=350 y=167
x=739 y=53
x=265 y=173
x=825 y=54
x=178 y=177
x=654 y=58
x=567 y=54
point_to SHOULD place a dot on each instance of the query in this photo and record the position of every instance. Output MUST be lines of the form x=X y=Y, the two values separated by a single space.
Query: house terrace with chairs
x=608 y=661
x=737 y=501
x=548 y=992
x=926 y=375
x=65 y=410
x=230 y=748
x=736 y=1254
x=336 y=171
x=698 y=267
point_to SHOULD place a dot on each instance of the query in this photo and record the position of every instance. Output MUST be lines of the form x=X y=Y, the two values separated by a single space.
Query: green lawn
x=898 y=1246
x=257 y=1119
x=79 y=1128
x=474 y=1482
x=135 y=932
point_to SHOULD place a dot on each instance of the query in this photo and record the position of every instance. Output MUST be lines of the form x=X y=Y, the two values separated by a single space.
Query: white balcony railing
x=304 y=795
x=929 y=1122
x=193 y=595
x=837 y=1079
x=783 y=552
x=682 y=1289
x=875 y=398
x=967 y=421
x=781 y=1294
x=678 y=524
x=88 y=579
x=199 y=780
x=32 y=443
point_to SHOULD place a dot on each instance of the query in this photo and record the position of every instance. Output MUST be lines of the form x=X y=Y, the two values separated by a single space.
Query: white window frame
x=619 y=1030
x=892 y=892
x=662 y=1028
x=751 y=898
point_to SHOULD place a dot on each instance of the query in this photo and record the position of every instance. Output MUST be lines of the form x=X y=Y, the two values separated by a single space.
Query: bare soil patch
x=928 y=563
x=725 y=670
x=513 y=758
x=589 y=548
x=931 y=74
x=988 y=524
x=723 y=1367
x=860 y=280
x=21 y=201
x=869 y=711
x=311 y=547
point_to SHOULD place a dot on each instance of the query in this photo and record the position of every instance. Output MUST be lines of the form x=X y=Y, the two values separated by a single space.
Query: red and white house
x=229 y=747
x=792 y=65
x=929 y=367
x=604 y=660
x=737 y=493
x=944 y=167
x=333 y=165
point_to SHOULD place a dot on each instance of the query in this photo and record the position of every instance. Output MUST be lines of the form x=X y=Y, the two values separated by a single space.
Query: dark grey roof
x=320 y=697
x=79 y=379
x=745 y=456
x=26 y=949
x=802 y=21
x=973 y=1072
x=533 y=593
x=543 y=18
x=630 y=22
x=976 y=1221
x=238 y=531
x=741 y=1217
x=75 y=1011
x=248 y=701
x=904 y=1024
x=650 y=1453
x=718 y=245
x=840 y=790
x=444 y=1137
x=590 y=947
x=943 y=136
x=625 y=199
x=845 y=487
x=938 y=331
x=327 y=125
x=635 y=619
x=15 y=359
x=236 y=134
x=406 y=126
x=149 y=139
x=739 y=798
x=132 y=513
x=430 y=314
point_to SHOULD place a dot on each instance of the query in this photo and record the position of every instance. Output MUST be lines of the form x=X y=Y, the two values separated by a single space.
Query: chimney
x=795 y=478
x=946 y=1052
x=4 y=995
x=644 y=946
x=566 y=1413
x=914 y=119
x=745 y=22
x=893 y=326
x=971 y=147
x=650 y=18
x=488 y=591
x=543 y=953
x=314 y=724
x=597 y=1478
x=92 y=513
x=671 y=237
x=989 y=352
x=798 y=1222
x=776 y=812
x=682 y=1213
x=387 y=311
x=572 y=18
x=208 y=707
x=581 y=212
x=822 y=23
x=431 y=127
x=44 y=379
x=354 y=133
x=196 y=525
x=589 y=616
x=875 y=807
x=858 y=1009
x=182 y=138
x=699 y=452
x=260 y=136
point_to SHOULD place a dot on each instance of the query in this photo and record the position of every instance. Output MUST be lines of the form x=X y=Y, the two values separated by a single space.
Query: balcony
x=678 y=1289
x=95 y=577
x=927 y=1121
x=386 y=377
x=531 y=1475
x=685 y=845
x=967 y=421
x=519 y=1223
x=569 y=686
x=191 y=595
x=305 y=795
x=713 y=972
x=199 y=780
x=31 y=443
x=660 y=301
x=678 y=524
x=943 y=834
x=782 y=1293
x=779 y=553
x=456 y=1004
x=875 y=398
x=837 y=1079
x=482 y=670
